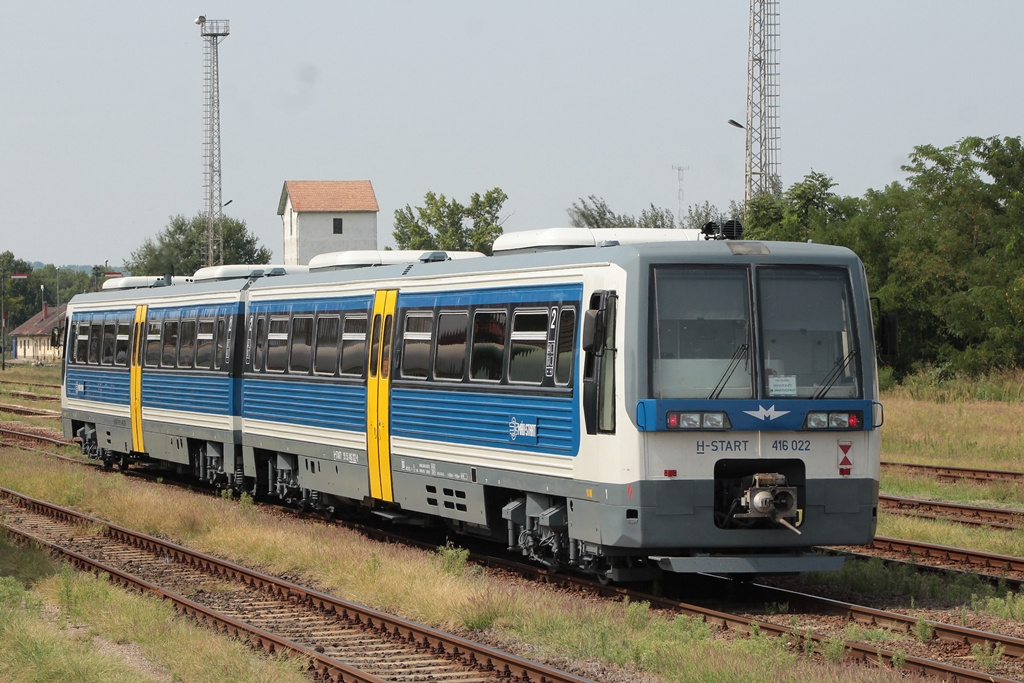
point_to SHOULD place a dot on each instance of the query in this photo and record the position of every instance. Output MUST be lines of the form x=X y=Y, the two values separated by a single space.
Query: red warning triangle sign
x=845 y=447
x=845 y=462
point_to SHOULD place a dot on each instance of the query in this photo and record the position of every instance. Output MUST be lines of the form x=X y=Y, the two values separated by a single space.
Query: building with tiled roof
x=33 y=339
x=320 y=216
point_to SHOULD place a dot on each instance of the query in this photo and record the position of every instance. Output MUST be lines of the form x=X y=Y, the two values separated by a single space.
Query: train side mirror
x=887 y=334
x=592 y=336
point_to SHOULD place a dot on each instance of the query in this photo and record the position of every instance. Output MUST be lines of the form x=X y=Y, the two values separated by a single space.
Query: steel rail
x=975 y=515
x=35 y=437
x=947 y=553
x=869 y=616
x=501 y=664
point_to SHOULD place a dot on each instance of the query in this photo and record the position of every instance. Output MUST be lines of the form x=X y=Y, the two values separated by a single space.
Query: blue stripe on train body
x=326 y=404
x=99 y=384
x=510 y=421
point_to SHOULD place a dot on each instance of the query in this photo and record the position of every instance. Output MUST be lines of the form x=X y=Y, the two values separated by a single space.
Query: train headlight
x=680 y=420
x=846 y=419
x=714 y=420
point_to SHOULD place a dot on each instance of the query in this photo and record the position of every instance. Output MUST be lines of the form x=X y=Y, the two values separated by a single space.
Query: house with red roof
x=33 y=339
x=321 y=216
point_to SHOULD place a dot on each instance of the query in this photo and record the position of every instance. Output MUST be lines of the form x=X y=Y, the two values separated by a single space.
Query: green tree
x=21 y=296
x=656 y=218
x=593 y=212
x=447 y=225
x=181 y=247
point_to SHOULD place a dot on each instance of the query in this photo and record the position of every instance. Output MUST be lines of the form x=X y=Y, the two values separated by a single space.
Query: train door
x=135 y=390
x=378 y=395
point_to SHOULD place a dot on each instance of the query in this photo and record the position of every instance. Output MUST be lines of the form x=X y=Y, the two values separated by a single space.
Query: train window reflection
x=488 y=345
x=328 y=333
x=353 y=345
x=277 y=344
x=452 y=334
x=529 y=345
x=809 y=348
x=170 y=346
x=416 y=345
x=566 y=346
x=701 y=333
x=153 y=345
x=302 y=344
x=204 y=344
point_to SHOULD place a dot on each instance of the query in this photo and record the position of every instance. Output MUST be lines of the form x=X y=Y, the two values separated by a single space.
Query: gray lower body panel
x=751 y=564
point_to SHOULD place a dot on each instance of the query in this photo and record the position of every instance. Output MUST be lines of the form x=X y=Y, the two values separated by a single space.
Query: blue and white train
x=622 y=407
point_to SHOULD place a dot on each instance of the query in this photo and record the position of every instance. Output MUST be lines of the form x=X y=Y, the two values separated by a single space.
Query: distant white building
x=321 y=216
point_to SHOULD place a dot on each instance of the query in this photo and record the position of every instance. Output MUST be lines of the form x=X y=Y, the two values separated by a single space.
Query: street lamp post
x=3 y=321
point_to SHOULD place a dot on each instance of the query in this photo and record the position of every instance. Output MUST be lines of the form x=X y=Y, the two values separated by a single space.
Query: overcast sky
x=101 y=105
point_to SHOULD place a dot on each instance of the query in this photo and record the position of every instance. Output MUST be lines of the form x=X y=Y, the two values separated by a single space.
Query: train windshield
x=704 y=345
x=702 y=333
x=808 y=345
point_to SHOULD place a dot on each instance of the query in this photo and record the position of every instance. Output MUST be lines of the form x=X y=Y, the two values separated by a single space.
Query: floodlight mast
x=213 y=31
x=762 y=160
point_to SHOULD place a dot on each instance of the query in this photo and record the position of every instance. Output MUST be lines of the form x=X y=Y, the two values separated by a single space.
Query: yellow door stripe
x=378 y=395
x=135 y=389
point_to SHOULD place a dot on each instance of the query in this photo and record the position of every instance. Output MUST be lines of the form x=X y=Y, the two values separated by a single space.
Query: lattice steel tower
x=213 y=32
x=762 y=165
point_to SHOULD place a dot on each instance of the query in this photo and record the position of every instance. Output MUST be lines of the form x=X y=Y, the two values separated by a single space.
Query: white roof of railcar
x=362 y=258
x=141 y=281
x=548 y=239
x=240 y=270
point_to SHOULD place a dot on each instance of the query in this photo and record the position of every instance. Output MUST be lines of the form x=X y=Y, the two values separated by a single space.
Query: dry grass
x=981 y=434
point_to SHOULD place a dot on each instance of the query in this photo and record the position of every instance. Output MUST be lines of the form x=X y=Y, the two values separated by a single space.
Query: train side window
x=170 y=346
x=153 y=345
x=529 y=345
x=109 y=336
x=328 y=333
x=220 y=343
x=82 y=343
x=257 y=361
x=95 y=340
x=186 y=343
x=452 y=334
x=566 y=346
x=488 y=354
x=353 y=345
x=301 y=345
x=277 y=345
x=204 y=344
x=124 y=329
x=416 y=345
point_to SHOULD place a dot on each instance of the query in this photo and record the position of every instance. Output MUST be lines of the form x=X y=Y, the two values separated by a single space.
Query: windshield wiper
x=739 y=354
x=833 y=376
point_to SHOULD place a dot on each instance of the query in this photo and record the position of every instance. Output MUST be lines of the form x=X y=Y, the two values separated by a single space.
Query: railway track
x=342 y=640
x=944 y=473
x=28 y=412
x=975 y=515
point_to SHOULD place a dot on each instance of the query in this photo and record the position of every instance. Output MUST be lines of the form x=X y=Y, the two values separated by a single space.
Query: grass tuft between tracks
x=434 y=588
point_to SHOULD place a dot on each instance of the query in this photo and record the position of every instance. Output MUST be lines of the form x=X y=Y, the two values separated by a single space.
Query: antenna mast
x=213 y=31
x=681 y=170
x=762 y=164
